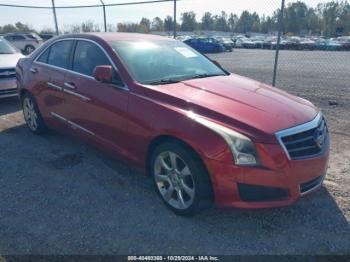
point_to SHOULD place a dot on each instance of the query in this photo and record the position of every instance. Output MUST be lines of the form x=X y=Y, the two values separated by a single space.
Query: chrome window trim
x=49 y=84
x=85 y=98
x=298 y=129
x=74 y=125
x=123 y=87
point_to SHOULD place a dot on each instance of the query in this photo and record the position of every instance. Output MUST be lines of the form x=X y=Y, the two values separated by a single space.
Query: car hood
x=9 y=60
x=242 y=103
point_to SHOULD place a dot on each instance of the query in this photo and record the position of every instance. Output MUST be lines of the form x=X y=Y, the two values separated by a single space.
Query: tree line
x=328 y=19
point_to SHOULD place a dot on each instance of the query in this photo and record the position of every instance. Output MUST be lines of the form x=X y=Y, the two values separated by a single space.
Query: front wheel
x=32 y=115
x=180 y=179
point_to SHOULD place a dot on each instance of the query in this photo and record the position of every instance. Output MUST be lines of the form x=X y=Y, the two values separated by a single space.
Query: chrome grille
x=7 y=73
x=305 y=141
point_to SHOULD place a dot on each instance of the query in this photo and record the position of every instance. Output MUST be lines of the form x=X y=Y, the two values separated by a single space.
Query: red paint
x=125 y=122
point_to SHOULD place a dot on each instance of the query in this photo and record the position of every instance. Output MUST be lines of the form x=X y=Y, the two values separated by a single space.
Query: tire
x=29 y=49
x=188 y=175
x=32 y=115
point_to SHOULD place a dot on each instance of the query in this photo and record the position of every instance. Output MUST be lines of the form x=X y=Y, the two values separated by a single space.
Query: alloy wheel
x=174 y=180
x=30 y=114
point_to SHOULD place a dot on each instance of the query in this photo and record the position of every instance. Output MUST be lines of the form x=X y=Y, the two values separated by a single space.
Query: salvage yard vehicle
x=9 y=57
x=203 y=134
x=245 y=43
x=328 y=45
x=206 y=45
x=26 y=42
x=226 y=42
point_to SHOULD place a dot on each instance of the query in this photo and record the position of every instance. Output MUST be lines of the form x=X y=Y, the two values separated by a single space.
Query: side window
x=87 y=56
x=18 y=37
x=60 y=53
x=44 y=56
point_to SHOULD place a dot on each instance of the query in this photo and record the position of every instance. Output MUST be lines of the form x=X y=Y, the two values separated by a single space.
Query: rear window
x=59 y=54
x=33 y=36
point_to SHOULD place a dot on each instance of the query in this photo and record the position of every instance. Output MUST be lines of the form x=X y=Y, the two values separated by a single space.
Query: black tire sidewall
x=27 y=47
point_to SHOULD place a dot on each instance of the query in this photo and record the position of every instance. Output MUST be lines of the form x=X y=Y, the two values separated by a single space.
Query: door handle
x=34 y=70
x=70 y=85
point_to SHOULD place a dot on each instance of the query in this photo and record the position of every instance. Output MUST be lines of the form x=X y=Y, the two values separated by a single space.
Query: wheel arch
x=22 y=92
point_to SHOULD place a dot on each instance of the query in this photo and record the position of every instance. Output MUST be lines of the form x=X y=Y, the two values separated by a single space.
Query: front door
x=96 y=109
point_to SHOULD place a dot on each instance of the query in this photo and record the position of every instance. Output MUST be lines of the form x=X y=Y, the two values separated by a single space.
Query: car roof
x=109 y=37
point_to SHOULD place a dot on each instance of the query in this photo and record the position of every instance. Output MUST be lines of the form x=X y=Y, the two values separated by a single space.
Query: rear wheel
x=180 y=179
x=29 y=49
x=32 y=115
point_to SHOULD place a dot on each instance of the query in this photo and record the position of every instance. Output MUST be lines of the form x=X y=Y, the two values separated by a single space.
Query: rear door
x=95 y=108
x=49 y=70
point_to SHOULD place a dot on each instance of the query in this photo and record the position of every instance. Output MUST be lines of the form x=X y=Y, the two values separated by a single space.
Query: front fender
x=150 y=119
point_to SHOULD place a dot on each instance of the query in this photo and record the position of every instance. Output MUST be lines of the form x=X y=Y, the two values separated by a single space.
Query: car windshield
x=164 y=61
x=6 y=48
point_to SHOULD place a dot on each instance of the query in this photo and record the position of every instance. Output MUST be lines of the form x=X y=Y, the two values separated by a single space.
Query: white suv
x=26 y=42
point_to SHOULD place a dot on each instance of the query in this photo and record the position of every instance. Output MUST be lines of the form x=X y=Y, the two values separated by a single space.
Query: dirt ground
x=60 y=196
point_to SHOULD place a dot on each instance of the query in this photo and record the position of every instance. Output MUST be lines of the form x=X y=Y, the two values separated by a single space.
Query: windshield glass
x=164 y=61
x=6 y=48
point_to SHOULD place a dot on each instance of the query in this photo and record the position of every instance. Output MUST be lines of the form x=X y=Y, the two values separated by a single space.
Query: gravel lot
x=59 y=196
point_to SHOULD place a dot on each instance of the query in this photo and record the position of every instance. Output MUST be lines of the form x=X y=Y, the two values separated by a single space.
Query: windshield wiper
x=205 y=75
x=163 y=81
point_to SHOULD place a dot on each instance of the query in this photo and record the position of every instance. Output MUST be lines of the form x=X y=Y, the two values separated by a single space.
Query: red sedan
x=201 y=133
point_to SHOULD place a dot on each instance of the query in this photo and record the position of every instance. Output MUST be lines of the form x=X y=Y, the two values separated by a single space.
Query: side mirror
x=103 y=73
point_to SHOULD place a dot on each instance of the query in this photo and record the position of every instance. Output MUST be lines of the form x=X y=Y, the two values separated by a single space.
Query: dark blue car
x=206 y=45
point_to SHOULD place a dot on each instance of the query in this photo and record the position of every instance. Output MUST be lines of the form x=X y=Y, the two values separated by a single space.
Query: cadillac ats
x=202 y=134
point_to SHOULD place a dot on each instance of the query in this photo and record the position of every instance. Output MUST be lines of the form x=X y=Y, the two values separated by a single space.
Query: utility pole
x=174 y=19
x=55 y=16
x=280 y=29
x=104 y=15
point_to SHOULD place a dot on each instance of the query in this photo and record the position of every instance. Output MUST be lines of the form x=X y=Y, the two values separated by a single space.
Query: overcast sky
x=40 y=18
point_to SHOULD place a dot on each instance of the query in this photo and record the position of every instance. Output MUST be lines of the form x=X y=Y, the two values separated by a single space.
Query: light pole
x=174 y=18
x=104 y=15
x=55 y=16
x=280 y=29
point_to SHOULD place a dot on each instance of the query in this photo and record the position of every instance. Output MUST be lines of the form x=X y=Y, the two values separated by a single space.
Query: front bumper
x=280 y=182
x=8 y=87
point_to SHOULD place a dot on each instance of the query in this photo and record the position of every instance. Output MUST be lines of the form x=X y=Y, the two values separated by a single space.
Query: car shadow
x=64 y=197
x=9 y=105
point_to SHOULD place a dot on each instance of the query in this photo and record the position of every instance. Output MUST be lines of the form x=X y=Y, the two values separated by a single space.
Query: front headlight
x=242 y=148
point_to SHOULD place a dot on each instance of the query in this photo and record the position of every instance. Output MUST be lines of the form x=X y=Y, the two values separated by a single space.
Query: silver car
x=26 y=42
x=9 y=57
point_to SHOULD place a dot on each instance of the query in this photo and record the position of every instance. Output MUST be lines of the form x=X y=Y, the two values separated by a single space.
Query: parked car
x=206 y=45
x=328 y=45
x=46 y=36
x=201 y=133
x=26 y=42
x=345 y=42
x=259 y=42
x=245 y=43
x=306 y=44
x=226 y=42
x=9 y=57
